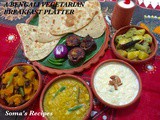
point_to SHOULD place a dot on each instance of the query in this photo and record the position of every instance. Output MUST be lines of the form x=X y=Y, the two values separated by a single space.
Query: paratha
x=33 y=49
x=97 y=26
x=44 y=24
x=68 y=23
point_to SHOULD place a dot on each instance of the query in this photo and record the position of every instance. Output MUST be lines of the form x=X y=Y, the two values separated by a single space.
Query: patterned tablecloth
x=147 y=108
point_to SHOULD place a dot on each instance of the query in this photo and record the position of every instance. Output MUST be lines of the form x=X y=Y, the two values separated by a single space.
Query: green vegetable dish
x=135 y=44
x=66 y=99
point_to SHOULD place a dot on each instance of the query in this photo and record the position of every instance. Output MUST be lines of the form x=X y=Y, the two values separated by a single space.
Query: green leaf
x=66 y=65
x=34 y=20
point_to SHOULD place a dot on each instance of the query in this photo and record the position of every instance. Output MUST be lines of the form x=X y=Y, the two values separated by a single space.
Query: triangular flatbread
x=97 y=26
x=33 y=49
x=63 y=24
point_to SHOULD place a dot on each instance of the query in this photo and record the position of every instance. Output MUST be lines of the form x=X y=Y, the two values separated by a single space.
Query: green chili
x=75 y=108
x=21 y=91
x=78 y=95
x=54 y=63
x=57 y=60
x=60 y=90
x=10 y=80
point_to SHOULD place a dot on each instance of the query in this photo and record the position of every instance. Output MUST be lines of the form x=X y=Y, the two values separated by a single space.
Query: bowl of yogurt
x=116 y=83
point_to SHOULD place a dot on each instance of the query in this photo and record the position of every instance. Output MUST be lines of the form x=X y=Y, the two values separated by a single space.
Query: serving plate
x=102 y=45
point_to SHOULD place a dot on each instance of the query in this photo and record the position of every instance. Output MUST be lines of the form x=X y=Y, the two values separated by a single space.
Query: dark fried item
x=76 y=55
x=72 y=41
x=88 y=44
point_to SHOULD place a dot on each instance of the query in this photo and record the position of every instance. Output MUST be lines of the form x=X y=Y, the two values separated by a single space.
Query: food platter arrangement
x=77 y=45
x=64 y=44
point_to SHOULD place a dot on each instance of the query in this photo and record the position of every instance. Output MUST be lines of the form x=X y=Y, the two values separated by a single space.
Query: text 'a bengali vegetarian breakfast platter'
x=64 y=41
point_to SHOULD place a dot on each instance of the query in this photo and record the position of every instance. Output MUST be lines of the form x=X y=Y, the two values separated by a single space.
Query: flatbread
x=44 y=24
x=97 y=26
x=63 y=24
x=33 y=49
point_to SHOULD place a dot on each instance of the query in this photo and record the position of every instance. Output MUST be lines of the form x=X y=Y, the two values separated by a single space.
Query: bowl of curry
x=66 y=97
x=20 y=84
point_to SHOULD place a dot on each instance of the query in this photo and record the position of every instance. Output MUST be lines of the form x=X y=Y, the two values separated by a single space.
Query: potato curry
x=18 y=85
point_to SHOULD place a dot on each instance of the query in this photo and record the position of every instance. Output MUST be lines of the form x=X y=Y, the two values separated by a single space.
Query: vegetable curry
x=67 y=99
x=134 y=44
x=18 y=85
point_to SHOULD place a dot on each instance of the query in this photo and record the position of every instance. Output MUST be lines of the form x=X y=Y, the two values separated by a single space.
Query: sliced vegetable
x=15 y=99
x=30 y=75
x=57 y=60
x=133 y=55
x=148 y=38
x=118 y=38
x=137 y=37
x=140 y=32
x=123 y=41
x=60 y=90
x=9 y=90
x=54 y=63
x=75 y=108
x=10 y=80
x=6 y=77
x=143 y=55
x=129 y=44
x=60 y=51
x=20 y=80
x=78 y=95
x=15 y=70
x=21 y=91
x=129 y=34
x=131 y=49
x=28 y=90
x=141 y=47
x=122 y=53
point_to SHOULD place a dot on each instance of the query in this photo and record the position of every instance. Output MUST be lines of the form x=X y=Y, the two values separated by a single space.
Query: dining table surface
x=146 y=108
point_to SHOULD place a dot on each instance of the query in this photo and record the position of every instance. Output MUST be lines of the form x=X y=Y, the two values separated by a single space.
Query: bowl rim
x=66 y=76
x=26 y=104
x=154 y=42
x=106 y=103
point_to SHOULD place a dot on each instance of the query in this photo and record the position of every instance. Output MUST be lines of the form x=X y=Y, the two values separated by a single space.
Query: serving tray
x=86 y=65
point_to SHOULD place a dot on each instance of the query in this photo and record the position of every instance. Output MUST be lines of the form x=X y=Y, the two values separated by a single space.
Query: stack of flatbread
x=39 y=41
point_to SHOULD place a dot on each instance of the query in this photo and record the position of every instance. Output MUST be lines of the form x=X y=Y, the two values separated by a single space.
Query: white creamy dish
x=126 y=91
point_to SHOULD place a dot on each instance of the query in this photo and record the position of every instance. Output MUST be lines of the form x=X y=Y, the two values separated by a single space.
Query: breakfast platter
x=48 y=61
x=87 y=70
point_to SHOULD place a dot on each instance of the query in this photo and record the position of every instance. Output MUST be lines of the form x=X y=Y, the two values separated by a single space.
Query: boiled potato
x=122 y=53
x=143 y=55
x=133 y=55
